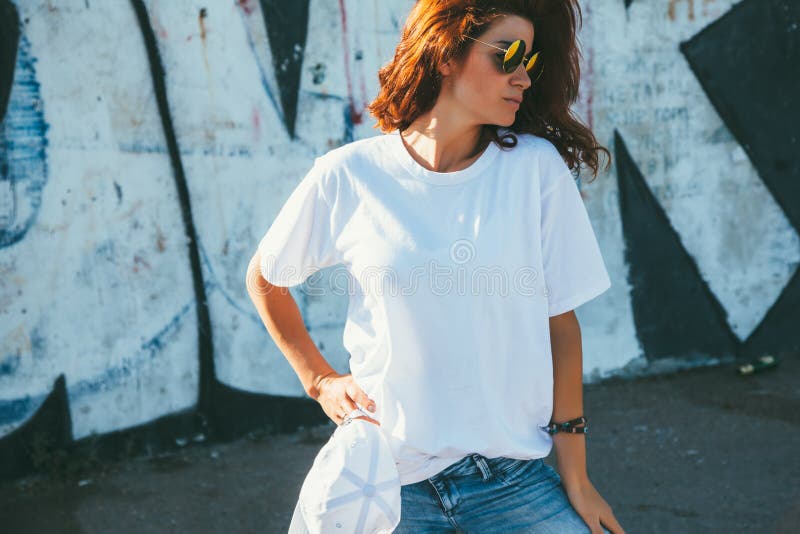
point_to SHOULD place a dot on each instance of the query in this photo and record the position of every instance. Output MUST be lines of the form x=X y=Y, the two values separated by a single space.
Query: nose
x=521 y=77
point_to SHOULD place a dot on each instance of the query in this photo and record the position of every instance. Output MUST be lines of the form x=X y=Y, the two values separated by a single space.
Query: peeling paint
x=23 y=141
x=121 y=269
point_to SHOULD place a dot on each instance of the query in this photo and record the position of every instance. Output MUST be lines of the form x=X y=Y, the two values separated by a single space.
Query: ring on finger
x=355 y=412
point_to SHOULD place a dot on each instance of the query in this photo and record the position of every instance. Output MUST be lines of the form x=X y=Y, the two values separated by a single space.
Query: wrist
x=577 y=425
x=316 y=383
x=575 y=479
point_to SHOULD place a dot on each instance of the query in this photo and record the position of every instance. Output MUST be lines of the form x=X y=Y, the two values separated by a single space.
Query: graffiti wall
x=146 y=145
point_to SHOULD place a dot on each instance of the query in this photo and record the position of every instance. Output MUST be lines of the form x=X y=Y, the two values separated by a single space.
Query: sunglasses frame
x=507 y=67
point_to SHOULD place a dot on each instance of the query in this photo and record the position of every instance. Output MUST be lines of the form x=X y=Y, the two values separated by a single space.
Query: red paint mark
x=201 y=18
x=361 y=79
x=160 y=239
x=671 y=9
x=160 y=30
x=246 y=6
x=137 y=260
x=355 y=116
x=256 y=123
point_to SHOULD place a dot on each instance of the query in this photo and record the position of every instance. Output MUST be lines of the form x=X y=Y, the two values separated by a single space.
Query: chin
x=507 y=122
x=503 y=120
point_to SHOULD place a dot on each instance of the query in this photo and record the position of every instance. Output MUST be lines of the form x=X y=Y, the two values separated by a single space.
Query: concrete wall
x=147 y=145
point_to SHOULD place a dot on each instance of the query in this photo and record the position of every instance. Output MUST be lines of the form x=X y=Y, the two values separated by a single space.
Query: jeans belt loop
x=486 y=472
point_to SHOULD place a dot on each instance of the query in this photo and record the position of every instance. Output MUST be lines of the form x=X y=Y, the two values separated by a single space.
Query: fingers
x=612 y=524
x=595 y=527
x=343 y=397
x=606 y=524
x=357 y=413
x=370 y=419
x=364 y=417
x=358 y=395
x=366 y=402
x=347 y=407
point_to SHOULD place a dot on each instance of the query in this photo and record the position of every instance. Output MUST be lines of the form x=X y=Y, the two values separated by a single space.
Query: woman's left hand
x=592 y=508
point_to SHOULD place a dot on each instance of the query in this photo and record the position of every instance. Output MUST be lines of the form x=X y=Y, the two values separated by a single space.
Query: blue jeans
x=485 y=495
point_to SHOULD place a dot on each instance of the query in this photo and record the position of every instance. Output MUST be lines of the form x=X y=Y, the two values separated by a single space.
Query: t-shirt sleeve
x=300 y=241
x=574 y=271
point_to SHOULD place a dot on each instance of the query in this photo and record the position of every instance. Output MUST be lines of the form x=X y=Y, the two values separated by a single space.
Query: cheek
x=486 y=91
x=484 y=83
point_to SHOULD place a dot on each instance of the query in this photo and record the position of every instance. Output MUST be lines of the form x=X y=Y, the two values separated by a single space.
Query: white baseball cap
x=353 y=486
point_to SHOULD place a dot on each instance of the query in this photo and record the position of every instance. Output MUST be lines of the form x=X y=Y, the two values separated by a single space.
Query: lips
x=517 y=101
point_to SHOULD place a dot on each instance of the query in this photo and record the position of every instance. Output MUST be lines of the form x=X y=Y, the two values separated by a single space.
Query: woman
x=466 y=248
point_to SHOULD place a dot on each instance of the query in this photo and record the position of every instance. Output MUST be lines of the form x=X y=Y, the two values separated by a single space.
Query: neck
x=444 y=147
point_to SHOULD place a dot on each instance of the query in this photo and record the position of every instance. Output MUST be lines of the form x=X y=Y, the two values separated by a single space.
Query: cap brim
x=298 y=524
x=356 y=458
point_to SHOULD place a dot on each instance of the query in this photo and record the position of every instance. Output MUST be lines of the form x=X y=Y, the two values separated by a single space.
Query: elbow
x=256 y=284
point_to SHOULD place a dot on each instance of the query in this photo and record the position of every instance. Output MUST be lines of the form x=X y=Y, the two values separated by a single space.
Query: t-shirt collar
x=405 y=159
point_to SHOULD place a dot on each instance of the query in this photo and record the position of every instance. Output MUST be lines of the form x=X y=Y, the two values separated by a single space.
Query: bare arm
x=281 y=316
x=336 y=393
x=565 y=340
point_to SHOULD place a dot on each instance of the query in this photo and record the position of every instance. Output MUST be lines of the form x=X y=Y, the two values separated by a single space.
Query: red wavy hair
x=434 y=33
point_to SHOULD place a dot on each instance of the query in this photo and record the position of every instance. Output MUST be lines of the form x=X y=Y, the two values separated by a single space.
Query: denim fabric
x=486 y=495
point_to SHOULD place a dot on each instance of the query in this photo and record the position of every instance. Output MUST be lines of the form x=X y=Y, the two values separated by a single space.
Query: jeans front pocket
x=511 y=471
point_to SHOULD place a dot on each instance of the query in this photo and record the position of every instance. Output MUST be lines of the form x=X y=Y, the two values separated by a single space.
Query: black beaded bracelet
x=568 y=426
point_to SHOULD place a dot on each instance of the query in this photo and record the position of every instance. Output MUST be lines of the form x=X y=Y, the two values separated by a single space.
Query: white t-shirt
x=452 y=278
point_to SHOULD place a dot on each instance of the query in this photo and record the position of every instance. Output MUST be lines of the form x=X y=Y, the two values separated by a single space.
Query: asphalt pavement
x=704 y=450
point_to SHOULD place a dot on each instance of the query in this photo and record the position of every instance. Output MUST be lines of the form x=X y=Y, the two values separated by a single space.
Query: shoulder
x=340 y=171
x=543 y=159
x=533 y=144
x=355 y=153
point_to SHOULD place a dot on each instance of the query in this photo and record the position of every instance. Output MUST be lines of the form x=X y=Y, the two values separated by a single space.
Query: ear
x=448 y=68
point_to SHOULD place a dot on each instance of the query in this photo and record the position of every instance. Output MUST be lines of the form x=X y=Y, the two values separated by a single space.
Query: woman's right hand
x=338 y=395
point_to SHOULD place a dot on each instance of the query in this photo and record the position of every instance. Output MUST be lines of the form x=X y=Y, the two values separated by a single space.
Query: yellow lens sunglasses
x=514 y=55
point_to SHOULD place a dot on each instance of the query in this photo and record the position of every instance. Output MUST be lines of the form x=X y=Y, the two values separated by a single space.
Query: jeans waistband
x=472 y=463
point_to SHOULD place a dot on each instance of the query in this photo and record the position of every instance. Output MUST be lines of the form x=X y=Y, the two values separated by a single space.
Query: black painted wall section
x=204 y=334
x=49 y=430
x=9 y=43
x=748 y=63
x=222 y=412
x=287 y=27
x=9 y=39
x=747 y=67
x=675 y=313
